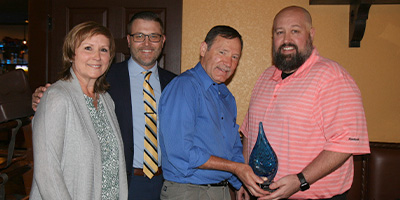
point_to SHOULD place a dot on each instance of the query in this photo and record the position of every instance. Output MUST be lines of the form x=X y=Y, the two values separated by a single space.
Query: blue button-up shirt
x=198 y=119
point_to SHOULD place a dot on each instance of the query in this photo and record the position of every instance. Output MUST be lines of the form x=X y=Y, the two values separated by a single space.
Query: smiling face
x=145 y=53
x=92 y=59
x=292 y=38
x=221 y=60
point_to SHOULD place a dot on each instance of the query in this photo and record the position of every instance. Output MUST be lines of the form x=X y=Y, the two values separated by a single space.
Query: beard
x=291 y=62
x=142 y=60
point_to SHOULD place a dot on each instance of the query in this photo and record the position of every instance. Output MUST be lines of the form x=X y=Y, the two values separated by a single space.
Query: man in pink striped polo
x=312 y=113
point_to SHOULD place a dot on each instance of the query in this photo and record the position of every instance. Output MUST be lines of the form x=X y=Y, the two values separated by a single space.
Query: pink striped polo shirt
x=317 y=108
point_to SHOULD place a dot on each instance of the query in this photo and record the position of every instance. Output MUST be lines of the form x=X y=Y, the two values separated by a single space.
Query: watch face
x=304 y=186
x=303 y=183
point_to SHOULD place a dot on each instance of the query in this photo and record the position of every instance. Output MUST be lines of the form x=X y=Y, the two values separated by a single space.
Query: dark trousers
x=143 y=188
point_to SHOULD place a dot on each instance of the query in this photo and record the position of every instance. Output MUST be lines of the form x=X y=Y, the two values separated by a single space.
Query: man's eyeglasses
x=140 y=37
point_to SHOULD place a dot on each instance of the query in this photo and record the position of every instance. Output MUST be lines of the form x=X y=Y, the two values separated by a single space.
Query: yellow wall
x=375 y=66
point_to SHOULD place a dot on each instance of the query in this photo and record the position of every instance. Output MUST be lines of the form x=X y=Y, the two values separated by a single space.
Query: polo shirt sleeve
x=177 y=117
x=244 y=127
x=344 y=124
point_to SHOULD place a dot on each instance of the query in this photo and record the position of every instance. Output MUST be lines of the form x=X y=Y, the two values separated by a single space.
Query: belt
x=139 y=172
x=222 y=183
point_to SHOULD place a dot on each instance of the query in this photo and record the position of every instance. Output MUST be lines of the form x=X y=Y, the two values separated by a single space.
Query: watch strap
x=303 y=182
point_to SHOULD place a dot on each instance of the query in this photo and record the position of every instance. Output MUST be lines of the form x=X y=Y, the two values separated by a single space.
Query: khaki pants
x=178 y=191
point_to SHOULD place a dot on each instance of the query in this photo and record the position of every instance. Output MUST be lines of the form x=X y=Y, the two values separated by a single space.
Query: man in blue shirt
x=199 y=139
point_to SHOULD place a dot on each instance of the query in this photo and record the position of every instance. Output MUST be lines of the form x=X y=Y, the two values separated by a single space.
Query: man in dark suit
x=145 y=39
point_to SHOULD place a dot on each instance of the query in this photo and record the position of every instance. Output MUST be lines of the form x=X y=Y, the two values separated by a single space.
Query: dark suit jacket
x=118 y=77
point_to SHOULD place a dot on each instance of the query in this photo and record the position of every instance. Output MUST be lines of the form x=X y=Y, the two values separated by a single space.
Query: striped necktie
x=150 y=161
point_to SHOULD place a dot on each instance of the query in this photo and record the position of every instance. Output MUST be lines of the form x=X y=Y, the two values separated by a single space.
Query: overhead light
x=24 y=41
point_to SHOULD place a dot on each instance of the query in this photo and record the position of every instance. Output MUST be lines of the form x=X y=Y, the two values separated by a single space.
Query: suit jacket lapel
x=163 y=79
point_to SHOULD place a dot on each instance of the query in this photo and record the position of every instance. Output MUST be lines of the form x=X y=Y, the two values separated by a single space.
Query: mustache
x=224 y=67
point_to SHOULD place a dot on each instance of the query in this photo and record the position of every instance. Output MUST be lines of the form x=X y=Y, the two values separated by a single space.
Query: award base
x=265 y=186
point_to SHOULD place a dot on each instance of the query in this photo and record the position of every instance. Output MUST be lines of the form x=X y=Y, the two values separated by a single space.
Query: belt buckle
x=222 y=183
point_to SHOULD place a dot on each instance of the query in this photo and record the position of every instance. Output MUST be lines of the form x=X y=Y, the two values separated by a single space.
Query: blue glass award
x=263 y=159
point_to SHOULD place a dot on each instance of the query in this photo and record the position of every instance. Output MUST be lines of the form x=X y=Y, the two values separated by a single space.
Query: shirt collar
x=137 y=69
x=303 y=69
x=207 y=82
x=204 y=77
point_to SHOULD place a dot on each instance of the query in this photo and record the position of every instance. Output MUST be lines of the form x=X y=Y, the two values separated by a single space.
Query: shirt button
x=222 y=118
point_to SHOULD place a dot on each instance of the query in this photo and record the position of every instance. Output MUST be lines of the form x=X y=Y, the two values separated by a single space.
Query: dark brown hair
x=223 y=31
x=145 y=15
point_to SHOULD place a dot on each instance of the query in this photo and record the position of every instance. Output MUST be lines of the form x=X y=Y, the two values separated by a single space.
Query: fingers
x=267 y=198
x=251 y=181
x=285 y=187
x=246 y=196
x=34 y=107
x=35 y=100
x=37 y=95
x=274 y=186
x=43 y=88
x=239 y=193
x=242 y=194
x=258 y=192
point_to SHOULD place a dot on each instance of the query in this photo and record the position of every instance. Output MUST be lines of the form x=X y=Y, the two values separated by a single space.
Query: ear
x=163 y=40
x=312 y=33
x=203 y=49
x=128 y=37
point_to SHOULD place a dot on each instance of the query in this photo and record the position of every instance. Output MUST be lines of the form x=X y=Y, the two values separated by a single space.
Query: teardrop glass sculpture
x=263 y=159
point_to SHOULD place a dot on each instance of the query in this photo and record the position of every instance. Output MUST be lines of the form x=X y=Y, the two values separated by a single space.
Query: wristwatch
x=303 y=183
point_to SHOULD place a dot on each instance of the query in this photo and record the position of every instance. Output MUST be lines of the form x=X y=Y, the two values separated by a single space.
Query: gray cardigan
x=67 y=157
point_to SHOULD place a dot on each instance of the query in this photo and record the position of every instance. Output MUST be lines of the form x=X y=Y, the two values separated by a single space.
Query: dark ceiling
x=13 y=12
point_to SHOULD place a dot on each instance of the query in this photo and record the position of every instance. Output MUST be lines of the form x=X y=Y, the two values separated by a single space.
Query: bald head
x=297 y=11
x=293 y=36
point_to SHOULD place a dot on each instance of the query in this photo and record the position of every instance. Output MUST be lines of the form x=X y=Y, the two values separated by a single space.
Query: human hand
x=250 y=180
x=285 y=187
x=37 y=95
x=242 y=194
